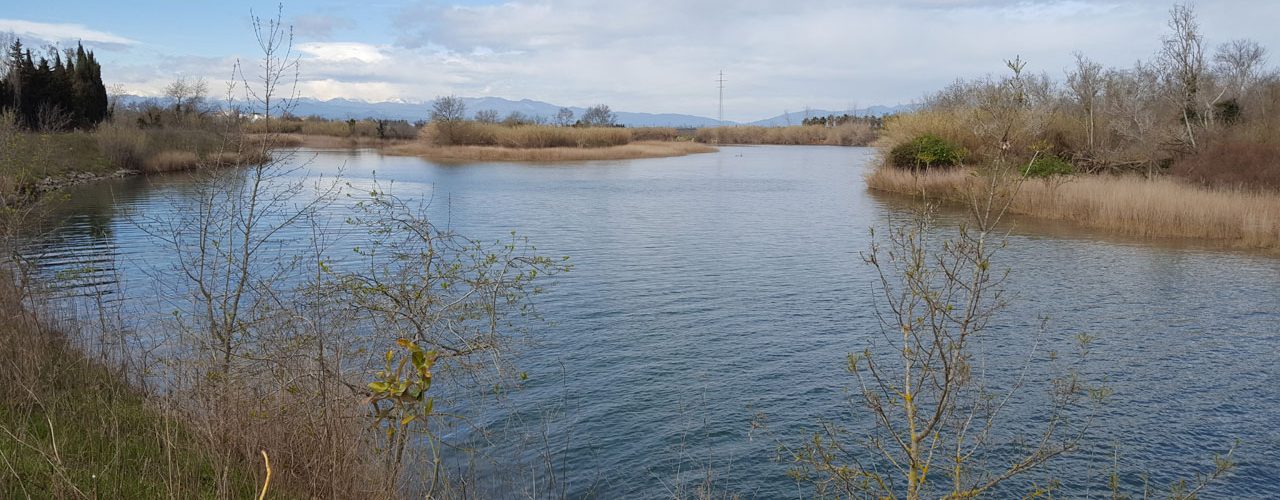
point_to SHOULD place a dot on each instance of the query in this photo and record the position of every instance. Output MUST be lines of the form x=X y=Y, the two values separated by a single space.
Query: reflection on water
x=710 y=287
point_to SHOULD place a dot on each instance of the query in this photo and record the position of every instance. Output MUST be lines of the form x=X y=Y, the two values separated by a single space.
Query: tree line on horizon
x=65 y=92
x=834 y=120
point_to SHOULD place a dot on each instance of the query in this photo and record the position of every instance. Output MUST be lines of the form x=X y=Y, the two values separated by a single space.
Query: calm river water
x=711 y=288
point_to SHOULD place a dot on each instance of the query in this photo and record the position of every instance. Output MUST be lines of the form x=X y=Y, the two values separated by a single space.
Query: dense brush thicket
x=1211 y=115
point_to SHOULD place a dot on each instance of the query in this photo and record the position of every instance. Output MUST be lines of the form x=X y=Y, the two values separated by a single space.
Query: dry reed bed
x=850 y=134
x=366 y=129
x=635 y=150
x=470 y=133
x=323 y=141
x=1160 y=207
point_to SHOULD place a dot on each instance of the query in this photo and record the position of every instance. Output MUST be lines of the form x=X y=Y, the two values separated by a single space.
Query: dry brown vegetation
x=847 y=134
x=463 y=140
x=469 y=133
x=1203 y=113
x=32 y=163
x=643 y=149
x=170 y=161
x=325 y=141
x=1158 y=207
x=1186 y=145
x=1233 y=162
x=314 y=126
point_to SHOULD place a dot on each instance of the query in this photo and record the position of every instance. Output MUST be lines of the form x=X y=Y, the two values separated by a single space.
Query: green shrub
x=926 y=151
x=1048 y=166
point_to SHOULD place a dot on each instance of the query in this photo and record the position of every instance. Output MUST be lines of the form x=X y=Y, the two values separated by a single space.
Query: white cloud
x=663 y=55
x=332 y=89
x=343 y=52
x=56 y=32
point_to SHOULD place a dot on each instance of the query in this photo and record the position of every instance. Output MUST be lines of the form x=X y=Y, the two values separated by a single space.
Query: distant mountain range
x=341 y=109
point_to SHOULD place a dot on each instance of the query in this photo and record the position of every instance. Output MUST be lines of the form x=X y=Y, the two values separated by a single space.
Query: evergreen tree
x=90 y=91
x=54 y=94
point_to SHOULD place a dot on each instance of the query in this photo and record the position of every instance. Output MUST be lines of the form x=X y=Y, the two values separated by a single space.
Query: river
x=710 y=288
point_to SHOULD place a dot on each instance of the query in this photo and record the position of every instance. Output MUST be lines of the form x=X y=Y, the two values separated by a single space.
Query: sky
x=660 y=56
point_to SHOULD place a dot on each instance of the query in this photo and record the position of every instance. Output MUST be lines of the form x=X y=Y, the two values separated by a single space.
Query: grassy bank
x=71 y=428
x=848 y=134
x=1160 y=207
x=635 y=150
x=32 y=163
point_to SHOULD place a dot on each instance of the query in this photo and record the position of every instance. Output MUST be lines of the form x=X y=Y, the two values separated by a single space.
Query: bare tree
x=487 y=116
x=219 y=239
x=516 y=118
x=599 y=116
x=1131 y=98
x=447 y=115
x=1182 y=57
x=1085 y=84
x=274 y=87
x=448 y=109
x=564 y=117
x=1240 y=61
x=187 y=94
x=6 y=40
x=936 y=418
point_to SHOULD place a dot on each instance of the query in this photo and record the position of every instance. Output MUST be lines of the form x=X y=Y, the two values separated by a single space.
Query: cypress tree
x=95 y=93
x=61 y=98
x=36 y=92
x=32 y=88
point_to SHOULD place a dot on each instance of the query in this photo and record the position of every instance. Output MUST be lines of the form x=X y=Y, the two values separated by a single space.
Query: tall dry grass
x=322 y=141
x=948 y=125
x=170 y=161
x=367 y=128
x=849 y=134
x=127 y=147
x=524 y=136
x=1158 y=207
x=631 y=151
x=654 y=134
x=124 y=146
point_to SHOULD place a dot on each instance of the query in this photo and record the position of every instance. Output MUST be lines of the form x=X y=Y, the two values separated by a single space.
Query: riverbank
x=71 y=427
x=1159 y=207
x=33 y=164
x=318 y=141
x=630 y=151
